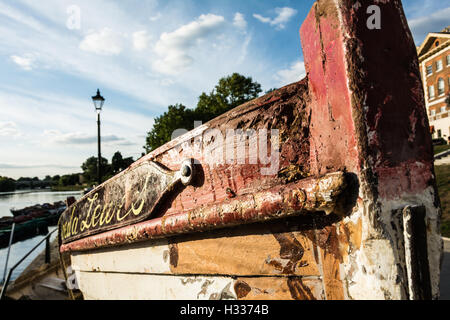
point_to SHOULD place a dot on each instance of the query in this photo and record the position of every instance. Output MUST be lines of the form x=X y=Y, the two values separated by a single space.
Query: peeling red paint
x=265 y=205
x=360 y=110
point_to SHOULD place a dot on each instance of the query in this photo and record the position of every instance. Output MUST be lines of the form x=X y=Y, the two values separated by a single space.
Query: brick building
x=434 y=59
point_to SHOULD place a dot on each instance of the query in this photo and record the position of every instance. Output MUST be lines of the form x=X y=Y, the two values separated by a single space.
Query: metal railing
x=47 y=260
x=11 y=236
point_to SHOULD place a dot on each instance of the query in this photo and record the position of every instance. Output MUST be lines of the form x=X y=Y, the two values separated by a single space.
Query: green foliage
x=177 y=117
x=31 y=183
x=69 y=180
x=55 y=179
x=229 y=93
x=68 y=188
x=440 y=148
x=445 y=228
x=118 y=163
x=443 y=184
x=89 y=168
x=7 y=184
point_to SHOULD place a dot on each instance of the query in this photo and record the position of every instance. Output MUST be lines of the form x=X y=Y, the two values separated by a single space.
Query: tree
x=229 y=93
x=177 y=117
x=7 y=184
x=118 y=163
x=89 y=168
x=55 y=180
x=127 y=162
x=271 y=90
x=69 y=179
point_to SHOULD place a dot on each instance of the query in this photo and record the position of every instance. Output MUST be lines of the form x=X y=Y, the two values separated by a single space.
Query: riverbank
x=29 y=222
x=21 y=199
x=69 y=188
x=25 y=198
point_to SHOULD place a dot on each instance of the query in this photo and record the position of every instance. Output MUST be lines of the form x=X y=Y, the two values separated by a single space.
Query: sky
x=143 y=55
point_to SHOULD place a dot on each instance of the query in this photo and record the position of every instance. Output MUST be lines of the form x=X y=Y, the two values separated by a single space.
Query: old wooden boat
x=24 y=231
x=323 y=189
x=51 y=208
x=30 y=222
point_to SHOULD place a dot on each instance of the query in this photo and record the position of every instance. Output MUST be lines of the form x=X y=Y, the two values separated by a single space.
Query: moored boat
x=38 y=208
x=24 y=231
x=323 y=189
x=30 y=222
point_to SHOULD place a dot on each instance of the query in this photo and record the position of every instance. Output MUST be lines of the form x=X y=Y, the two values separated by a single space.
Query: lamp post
x=98 y=103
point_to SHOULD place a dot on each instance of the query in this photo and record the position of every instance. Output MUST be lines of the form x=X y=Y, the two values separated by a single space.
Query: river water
x=19 y=200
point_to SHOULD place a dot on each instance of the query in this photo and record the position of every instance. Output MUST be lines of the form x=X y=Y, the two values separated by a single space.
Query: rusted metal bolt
x=185 y=171
x=230 y=193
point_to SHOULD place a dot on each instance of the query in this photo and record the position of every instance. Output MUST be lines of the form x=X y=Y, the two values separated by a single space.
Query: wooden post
x=369 y=117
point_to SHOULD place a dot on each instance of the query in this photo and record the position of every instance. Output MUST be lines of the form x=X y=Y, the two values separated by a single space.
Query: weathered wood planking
x=360 y=110
x=278 y=249
x=308 y=196
x=128 y=199
x=259 y=254
x=104 y=286
x=289 y=250
x=285 y=109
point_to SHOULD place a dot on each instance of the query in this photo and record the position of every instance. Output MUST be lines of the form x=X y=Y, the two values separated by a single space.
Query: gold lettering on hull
x=103 y=215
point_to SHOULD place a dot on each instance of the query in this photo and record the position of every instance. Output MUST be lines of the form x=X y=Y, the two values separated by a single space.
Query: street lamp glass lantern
x=98 y=101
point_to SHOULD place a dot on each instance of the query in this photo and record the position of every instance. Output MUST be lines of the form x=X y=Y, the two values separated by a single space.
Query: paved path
x=445 y=160
x=445 y=272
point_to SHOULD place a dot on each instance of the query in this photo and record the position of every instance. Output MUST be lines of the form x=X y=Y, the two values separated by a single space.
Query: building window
x=439 y=133
x=431 y=92
x=442 y=109
x=439 y=65
x=448 y=60
x=433 y=112
x=441 y=86
x=429 y=70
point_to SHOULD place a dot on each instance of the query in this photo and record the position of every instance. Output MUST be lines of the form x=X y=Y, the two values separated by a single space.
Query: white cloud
x=33 y=166
x=173 y=47
x=239 y=21
x=156 y=18
x=9 y=129
x=141 y=39
x=435 y=22
x=16 y=15
x=105 y=42
x=134 y=75
x=295 y=73
x=26 y=61
x=50 y=121
x=79 y=138
x=283 y=16
x=244 y=49
x=141 y=93
x=261 y=18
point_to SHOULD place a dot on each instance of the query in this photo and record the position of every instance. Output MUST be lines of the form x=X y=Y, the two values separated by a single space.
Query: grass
x=68 y=188
x=441 y=148
x=443 y=185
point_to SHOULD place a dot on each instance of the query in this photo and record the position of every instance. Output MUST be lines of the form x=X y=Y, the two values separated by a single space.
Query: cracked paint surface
x=355 y=151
